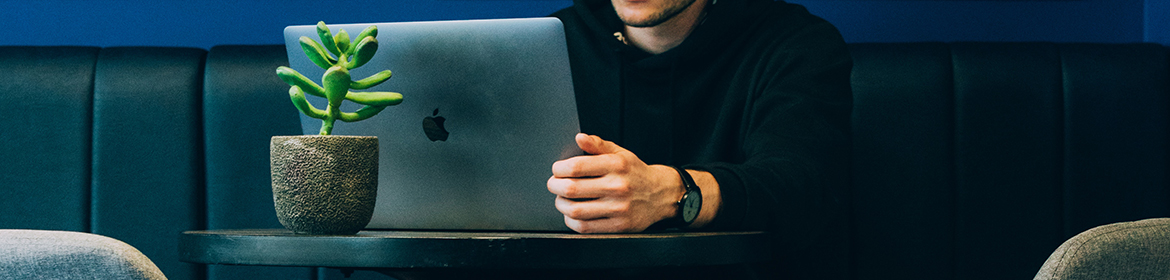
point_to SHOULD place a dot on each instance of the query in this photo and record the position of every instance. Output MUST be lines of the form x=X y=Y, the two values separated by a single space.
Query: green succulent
x=336 y=83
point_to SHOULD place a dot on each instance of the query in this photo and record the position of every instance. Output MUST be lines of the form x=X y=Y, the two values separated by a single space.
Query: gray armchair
x=43 y=254
x=1127 y=250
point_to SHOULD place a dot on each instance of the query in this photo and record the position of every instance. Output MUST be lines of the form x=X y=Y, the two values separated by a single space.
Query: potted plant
x=327 y=184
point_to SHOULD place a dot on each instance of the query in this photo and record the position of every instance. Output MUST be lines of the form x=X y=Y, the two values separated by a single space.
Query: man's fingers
x=583 y=166
x=590 y=209
x=606 y=158
x=578 y=189
x=592 y=144
x=603 y=225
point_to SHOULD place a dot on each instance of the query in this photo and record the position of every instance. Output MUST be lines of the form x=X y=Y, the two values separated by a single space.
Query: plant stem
x=327 y=126
x=330 y=118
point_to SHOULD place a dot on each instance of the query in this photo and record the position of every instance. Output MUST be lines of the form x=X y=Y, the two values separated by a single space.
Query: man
x=750 y=99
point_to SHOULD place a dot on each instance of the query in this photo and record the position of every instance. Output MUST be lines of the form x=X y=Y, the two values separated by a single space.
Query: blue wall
x=1111 y=21
x=205 y=23
x=1158 y=21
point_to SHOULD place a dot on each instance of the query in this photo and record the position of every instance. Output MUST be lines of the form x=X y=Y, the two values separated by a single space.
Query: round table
x=473 y=250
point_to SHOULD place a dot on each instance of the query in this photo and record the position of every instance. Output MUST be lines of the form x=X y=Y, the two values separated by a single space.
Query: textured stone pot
x=324 y=184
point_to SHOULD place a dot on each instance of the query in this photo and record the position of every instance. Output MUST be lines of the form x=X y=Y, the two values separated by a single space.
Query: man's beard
x=659 y=18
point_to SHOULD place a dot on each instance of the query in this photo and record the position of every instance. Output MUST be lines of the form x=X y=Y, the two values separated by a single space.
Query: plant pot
x=324 y=184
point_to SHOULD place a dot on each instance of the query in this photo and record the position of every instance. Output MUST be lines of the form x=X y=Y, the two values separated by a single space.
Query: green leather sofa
x=971 y=160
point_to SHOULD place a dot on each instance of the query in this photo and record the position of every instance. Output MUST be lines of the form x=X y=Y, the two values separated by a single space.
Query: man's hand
x=611 y=190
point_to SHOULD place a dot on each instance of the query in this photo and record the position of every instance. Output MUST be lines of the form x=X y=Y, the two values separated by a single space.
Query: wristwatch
x=690 y=203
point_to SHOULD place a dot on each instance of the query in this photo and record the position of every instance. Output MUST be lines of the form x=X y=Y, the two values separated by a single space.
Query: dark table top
x=450 y=249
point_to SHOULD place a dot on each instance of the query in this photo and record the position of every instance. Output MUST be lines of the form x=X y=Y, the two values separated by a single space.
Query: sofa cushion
x=1117 y=134
x=903 y=123
x=46 y=106
x=1008 y=157
x=147 y=150
x=244 y=105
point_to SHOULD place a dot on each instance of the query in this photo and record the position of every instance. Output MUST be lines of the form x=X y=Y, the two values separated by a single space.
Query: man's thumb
x=594 y=145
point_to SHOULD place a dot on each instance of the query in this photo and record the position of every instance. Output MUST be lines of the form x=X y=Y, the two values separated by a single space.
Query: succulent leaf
x=371 y=81
x=363 y=52
x=343 y=42
x=298 y=100
x=371 y=31
x=336 y=83
x=316 y=53
x=361 y=114
x=375 y=98
x=294 y=78
x=327 y=38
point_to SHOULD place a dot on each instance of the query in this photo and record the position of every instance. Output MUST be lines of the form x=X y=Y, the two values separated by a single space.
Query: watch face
x=691 y=204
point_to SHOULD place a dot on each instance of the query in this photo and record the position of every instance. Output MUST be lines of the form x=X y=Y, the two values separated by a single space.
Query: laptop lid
x=497 y=98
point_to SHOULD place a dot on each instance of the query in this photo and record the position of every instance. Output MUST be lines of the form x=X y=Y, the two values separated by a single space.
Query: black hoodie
x=758 y=95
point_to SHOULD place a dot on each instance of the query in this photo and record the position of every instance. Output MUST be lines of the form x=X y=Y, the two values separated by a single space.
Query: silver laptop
x=488 y=107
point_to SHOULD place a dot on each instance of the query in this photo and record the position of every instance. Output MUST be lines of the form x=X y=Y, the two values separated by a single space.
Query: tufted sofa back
x=975 y=160
x=142 y=143
x=971 y=160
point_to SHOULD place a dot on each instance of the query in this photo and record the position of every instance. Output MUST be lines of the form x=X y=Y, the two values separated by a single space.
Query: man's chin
x=643 y=21
x=636 y=17
x=642 y=24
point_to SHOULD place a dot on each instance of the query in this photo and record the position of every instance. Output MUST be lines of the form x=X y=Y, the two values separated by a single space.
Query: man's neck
x=663 y=37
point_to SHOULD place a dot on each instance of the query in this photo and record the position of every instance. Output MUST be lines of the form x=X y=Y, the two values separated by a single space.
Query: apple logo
x=433 y=127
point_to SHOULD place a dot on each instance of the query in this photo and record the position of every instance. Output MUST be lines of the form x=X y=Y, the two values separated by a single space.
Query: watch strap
x=688 y=182
x=677 y=221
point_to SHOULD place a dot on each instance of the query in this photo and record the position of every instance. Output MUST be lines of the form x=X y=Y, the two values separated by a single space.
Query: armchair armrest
x=1126 y=250
x=43 y=254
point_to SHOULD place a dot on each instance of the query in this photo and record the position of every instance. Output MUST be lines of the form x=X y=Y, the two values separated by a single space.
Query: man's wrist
x=672 y=190
x=687 y=206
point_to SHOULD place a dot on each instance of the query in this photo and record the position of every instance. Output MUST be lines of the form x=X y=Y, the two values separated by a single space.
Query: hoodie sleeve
x=795 y=139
